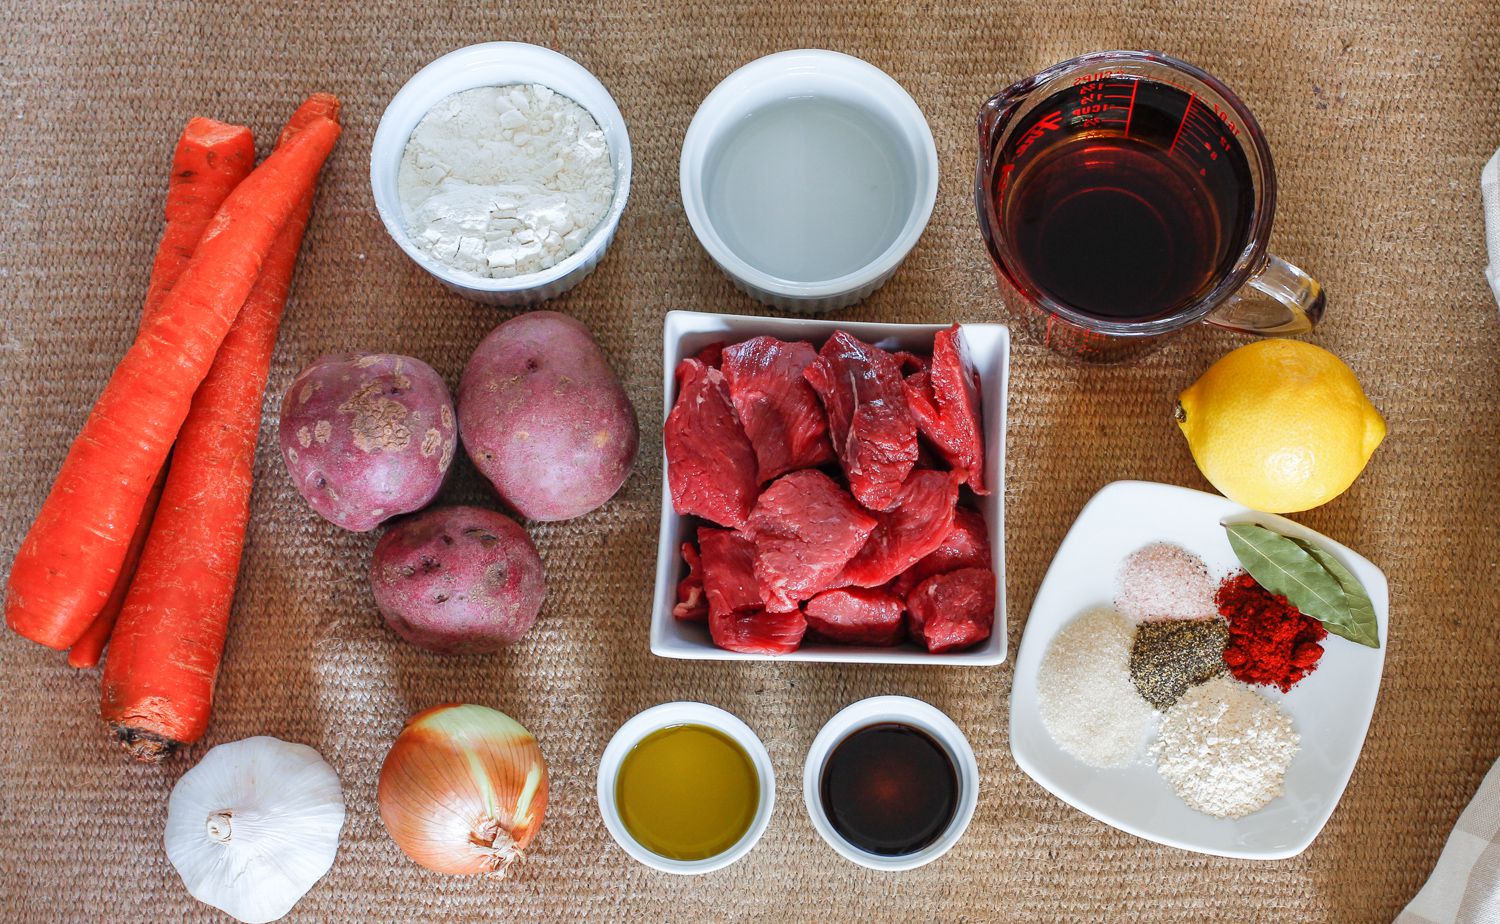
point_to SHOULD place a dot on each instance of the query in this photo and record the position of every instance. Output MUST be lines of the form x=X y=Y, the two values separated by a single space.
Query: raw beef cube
x=919 y=400
x=710 y=464
x=805 y=529
x=967 y=545
x=691 y=606
x=918 y=389
x=778 y=409
x=946 y=406
x=712 y=355
x=857 y=616
x=873 y=433
x=952 y=611
x=757 y=631
x=728 y=571
x=915 y=527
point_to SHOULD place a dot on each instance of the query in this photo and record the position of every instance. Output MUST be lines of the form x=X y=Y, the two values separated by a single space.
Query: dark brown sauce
x=890 y=789
x=1132 y=216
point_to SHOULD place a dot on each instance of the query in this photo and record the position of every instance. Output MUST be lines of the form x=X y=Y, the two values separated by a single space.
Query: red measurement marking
x=1134 y=85
x=1048 y=123
x=1191 y=97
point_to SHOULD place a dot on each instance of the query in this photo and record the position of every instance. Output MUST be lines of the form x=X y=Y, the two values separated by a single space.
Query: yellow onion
x=463 y=789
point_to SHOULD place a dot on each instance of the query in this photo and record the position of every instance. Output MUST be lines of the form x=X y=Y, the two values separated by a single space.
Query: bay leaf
x=1283 y=567
x=1363 y=627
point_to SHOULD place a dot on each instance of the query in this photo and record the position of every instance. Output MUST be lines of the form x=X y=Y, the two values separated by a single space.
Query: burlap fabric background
x=1380 y=116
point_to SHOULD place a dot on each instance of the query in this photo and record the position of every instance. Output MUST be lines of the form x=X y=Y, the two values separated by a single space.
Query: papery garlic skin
x=254 y=826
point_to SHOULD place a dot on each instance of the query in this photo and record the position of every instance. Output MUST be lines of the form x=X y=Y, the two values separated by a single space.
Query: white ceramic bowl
x=804 y=74
x=907 y=711
x=487 y=65
x=665 y=716
x=685 y=333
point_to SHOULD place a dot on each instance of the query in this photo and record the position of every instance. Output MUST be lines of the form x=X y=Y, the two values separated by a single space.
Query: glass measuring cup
x=1126 y=195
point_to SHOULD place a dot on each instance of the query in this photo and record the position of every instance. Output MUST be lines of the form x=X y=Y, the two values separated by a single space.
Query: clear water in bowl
x=809 y=189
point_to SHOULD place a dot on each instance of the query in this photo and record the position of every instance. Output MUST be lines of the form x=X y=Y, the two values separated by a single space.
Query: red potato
x=367 y=436
x=544 y=418
x=458 y=580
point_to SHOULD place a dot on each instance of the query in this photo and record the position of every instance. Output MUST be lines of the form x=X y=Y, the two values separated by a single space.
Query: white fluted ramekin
x=808 y=73
x=900 y=710
x=665 y=716
x=494 y=64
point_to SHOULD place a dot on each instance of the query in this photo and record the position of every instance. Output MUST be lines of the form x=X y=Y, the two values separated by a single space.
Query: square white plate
x=1330 y=708
x=687 y=332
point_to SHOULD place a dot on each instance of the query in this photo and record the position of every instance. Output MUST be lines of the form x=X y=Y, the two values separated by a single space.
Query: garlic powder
x=505 y=181
x=1225 y=748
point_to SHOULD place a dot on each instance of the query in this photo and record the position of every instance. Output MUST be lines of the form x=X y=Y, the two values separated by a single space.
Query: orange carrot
x=210 y=160
x=86 y=652
x=164 y=654
x=71 y=557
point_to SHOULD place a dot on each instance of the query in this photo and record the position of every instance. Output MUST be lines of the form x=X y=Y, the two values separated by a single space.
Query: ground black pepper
x=1170 y=656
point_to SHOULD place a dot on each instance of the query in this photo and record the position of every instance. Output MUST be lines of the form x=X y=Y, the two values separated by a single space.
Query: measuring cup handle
x=1280 y=299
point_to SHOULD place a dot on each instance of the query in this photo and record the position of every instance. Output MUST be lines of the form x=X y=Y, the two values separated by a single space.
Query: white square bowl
x=1330 y=708
x=687 y=332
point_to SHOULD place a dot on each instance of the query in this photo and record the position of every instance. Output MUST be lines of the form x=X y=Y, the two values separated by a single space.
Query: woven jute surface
x=1380 y=116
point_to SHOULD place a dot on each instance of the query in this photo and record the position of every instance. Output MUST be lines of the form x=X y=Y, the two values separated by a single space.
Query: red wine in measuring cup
x=1123 y=198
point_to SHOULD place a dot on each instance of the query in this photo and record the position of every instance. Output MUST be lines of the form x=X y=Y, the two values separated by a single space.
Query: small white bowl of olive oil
x=808 y=176
x=686 y=788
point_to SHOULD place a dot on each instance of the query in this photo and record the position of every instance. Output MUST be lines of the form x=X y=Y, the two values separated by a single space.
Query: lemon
x=1279 y=425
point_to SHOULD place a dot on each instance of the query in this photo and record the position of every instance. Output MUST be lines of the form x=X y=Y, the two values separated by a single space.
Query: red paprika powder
x=1271 y=642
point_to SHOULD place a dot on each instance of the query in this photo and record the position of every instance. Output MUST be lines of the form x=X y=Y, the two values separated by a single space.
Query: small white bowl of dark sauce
x=808 y=176
x=891 y=783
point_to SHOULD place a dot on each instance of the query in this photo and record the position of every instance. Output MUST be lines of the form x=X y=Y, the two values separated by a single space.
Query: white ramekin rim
x=812 y=67
x=906 y=711
x=684 y=713
x=483 y=65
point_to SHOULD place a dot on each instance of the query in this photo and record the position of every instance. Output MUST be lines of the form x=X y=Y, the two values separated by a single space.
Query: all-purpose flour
x=503 y=181
x=1226 y=748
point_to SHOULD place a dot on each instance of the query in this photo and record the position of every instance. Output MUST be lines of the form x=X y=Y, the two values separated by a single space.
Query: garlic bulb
x=254 y=825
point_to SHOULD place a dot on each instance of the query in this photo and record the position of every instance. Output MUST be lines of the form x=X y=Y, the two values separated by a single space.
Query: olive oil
x=687 y=792
x=890 y=789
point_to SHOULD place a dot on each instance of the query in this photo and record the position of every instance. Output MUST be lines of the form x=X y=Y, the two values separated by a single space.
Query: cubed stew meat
x=805 y=528
x=711 y=468
x=712 y=355
x=728 y=561
x=692 y=605
x=778 y=409
x=953 y=611
x=945 y=404
x=856 y=616
x=873 y=433
x=758 y=631
x=912 y=529
x=877 y=549
x=967 y=545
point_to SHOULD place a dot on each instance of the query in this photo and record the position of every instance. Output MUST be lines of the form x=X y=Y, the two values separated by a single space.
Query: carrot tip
x=83 y=660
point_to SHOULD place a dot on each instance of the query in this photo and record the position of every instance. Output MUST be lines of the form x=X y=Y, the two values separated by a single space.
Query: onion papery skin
x=463 y=790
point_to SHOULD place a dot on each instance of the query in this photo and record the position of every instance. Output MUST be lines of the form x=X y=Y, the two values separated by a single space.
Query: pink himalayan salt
x=1164 y=581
